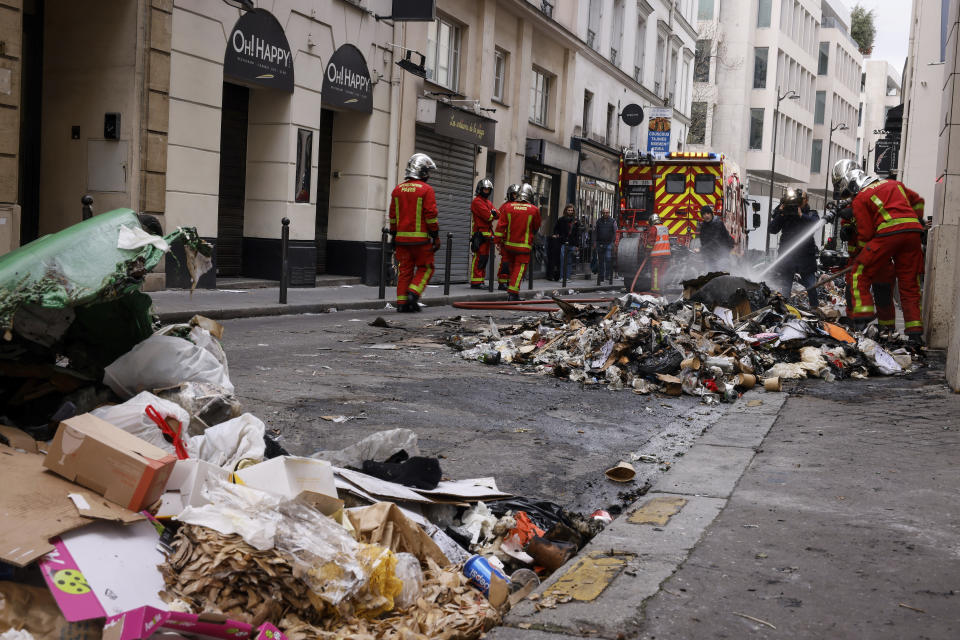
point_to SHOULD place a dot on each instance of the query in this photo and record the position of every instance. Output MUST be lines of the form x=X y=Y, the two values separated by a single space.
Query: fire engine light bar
x=692 y=154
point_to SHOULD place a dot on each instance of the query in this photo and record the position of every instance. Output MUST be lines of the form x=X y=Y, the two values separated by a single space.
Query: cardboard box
x=144 y=622
x=119 y=466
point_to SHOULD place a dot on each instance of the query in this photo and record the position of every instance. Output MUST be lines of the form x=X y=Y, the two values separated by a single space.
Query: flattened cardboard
x=34 y=507
x=471 y=490
x=117 y=465
x=104 y=570
x=381 y=488
x=144 y=622
x=19 y=439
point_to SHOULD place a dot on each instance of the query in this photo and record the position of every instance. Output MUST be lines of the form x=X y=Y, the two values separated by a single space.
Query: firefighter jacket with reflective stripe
x=517 y=225
x=482 y=210
x=658 y=240
x=413 y=213
x=887 y=207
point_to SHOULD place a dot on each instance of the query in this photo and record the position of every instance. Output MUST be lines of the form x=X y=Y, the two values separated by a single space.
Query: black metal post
x=384 y=245
x=491 y=267
x=530 y=267
x=86 y=212
x=565 y=250
x=284 y=263
x=446 y=265
x=601 y=257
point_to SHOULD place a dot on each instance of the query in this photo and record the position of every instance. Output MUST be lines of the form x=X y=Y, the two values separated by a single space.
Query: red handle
x=178 y=445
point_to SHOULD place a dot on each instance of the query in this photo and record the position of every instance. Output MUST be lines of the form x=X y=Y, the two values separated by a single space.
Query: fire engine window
x=704 y=183
x=676 y=182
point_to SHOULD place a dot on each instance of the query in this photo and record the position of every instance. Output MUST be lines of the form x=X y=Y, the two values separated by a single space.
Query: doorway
x=233 y=175
x=324 y=165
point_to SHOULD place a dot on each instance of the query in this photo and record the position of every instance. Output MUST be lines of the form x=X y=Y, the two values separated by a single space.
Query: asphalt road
x=539 y=436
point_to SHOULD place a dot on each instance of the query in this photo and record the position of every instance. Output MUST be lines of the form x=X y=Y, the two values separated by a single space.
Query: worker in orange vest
x=518 y=223
x=658 y=252
x=414 y=231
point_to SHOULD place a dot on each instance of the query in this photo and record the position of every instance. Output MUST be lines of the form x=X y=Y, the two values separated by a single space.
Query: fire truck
x=675 y=188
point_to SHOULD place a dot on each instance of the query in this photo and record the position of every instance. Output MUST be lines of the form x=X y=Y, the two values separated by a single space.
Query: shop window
x=705 y=183
x=676 y=182
x=539 y=98
x=443 y=54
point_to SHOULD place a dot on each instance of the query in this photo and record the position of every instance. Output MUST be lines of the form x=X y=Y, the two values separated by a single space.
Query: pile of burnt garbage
x=723 y=336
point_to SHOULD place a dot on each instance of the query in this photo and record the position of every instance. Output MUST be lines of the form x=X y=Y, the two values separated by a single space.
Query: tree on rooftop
x=862 y=28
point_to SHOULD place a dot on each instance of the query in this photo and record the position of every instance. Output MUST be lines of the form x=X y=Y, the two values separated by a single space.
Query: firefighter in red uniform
x=414 y=231
x=658 y=252
x=882 y=286
x=888 y=222
x=503 y=273
x=518 y=223
x=481 y=232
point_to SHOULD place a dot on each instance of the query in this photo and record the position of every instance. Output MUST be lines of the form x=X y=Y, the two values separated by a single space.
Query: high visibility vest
x=661 y=247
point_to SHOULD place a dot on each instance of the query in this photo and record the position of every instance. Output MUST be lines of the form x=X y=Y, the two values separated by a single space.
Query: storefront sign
x=346 y=81
x=598 y=164
x=550 y=154
x=658 y=132
x=886 y=160
x=465 y=126
x=258 y=53
x=632 y=115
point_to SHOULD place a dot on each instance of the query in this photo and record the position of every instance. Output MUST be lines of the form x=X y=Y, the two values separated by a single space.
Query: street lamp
x=791 y=95
x=826 y=171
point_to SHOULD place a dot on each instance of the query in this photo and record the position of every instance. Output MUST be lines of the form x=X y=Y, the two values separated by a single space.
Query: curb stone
x=698 y=486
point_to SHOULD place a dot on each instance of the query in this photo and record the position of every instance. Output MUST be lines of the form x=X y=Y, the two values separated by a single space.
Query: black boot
x=404 y=307
x=511 y=296
x=476 y=286
x=915 y=340
x=502 y=286
x=413 y=299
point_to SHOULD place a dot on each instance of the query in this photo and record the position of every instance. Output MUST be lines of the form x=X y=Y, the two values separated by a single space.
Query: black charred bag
x=476 y=241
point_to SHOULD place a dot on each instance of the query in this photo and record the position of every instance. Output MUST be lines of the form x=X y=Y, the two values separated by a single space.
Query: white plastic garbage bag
x=164 y=361
x=131 y=416
x=229 y=442
x=377 y=446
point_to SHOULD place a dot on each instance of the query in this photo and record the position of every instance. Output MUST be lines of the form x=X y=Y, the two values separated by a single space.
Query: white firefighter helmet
x=419 y=167
x=527 y=193
x=848 y=179
x=654 y=219
x=484 y=185
x=513 y=192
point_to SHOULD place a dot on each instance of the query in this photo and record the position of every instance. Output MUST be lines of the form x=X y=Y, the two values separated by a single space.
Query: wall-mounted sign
x=346 y=81
x=658 y=131
x=465 y=126
x=885 y=161
x=258 y=53
x=632 y=115
x=414 y=10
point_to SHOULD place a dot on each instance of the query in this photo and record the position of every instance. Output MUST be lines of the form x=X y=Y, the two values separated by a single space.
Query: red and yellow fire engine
x=675 y=188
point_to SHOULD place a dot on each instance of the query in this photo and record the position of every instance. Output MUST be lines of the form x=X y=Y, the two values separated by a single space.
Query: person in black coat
x=793 y=219
x=715 y=241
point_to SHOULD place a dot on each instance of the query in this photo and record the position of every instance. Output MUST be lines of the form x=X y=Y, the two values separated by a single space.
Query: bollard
x=446 y=265
x=284 y=265
x=86 y=211
x=533 y=259
x=491 y=271
x=384 y=244
x=563 y=264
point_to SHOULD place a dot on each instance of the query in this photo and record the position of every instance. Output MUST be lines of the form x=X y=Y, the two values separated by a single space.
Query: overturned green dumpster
x=70 y=303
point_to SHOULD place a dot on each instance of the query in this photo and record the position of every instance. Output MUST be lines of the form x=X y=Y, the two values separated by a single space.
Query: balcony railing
x=592 y=39
x=547 y=8
x=614 y=56
x=638 y=74
x=833 y=23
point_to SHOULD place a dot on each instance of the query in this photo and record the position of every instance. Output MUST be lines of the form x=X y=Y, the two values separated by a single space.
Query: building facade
x=879 y=93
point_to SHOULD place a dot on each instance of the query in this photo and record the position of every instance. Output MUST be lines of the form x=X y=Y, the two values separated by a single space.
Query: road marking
x=589 y=576
x=657 y=511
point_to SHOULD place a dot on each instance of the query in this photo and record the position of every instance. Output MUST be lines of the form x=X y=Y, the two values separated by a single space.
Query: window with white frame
x=616 y=32
x=443 y=54
x=660 y=64
x=640 y=50
x=539 y=98
x=499 y=74
x=595 y=10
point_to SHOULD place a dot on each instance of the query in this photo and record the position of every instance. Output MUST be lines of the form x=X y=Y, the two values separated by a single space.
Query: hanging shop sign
x=346 y=81
x=258 y=53
x=658 y=133
x=632 y=115
x=463 y=125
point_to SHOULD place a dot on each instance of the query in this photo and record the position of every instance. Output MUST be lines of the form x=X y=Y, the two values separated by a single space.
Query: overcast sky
x=892 y=19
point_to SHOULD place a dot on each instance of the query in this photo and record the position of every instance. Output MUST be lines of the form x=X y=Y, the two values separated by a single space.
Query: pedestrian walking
x=516 y=227
x=793 y=219
x=716 y=243
x=658 y=252
x=414 y=231
x=888 y=216
x=567 y=232
x=481 y=232
x=604 y=236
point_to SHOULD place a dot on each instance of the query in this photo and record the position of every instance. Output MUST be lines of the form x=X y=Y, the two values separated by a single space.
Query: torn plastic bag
x=666 y=360
x=208 y=404
x=479 y=521
x=411 y=575
x=229 y=442
x=878 y=357
x=543 y=513
x=131 y=416
x=163 y=361
x=376 y=446
x=200 y=337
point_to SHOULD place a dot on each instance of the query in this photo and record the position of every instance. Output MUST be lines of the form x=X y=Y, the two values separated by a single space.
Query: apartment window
x=824 y=59
x=860 y=115
x=587 y=112
x=539 y=98
x=698 y=123
x=593 y=24
x=820 y=107
x=760 y=67
x=705 y=10
x=672 y=81
x=616 y=32
x=661 y=60
x=640 y=52
x=816 y=150
x=763 y=13
x=701 y=63
x=611 y=124
x=499 y=74
x=756 y=128
x=443 y=53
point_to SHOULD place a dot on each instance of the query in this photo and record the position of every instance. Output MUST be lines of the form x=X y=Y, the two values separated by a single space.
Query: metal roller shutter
x=453 y=184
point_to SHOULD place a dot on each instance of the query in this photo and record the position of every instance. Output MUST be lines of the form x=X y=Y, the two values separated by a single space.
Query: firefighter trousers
x=882 y=290
x=658 y=270
x=517 y=264
x=414 y=269
x=907 y=254
x=503 y=273
x=478 y=265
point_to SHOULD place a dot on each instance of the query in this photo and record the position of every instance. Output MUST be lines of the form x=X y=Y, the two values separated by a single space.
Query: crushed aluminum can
x=602 y=516
x=479 y=571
